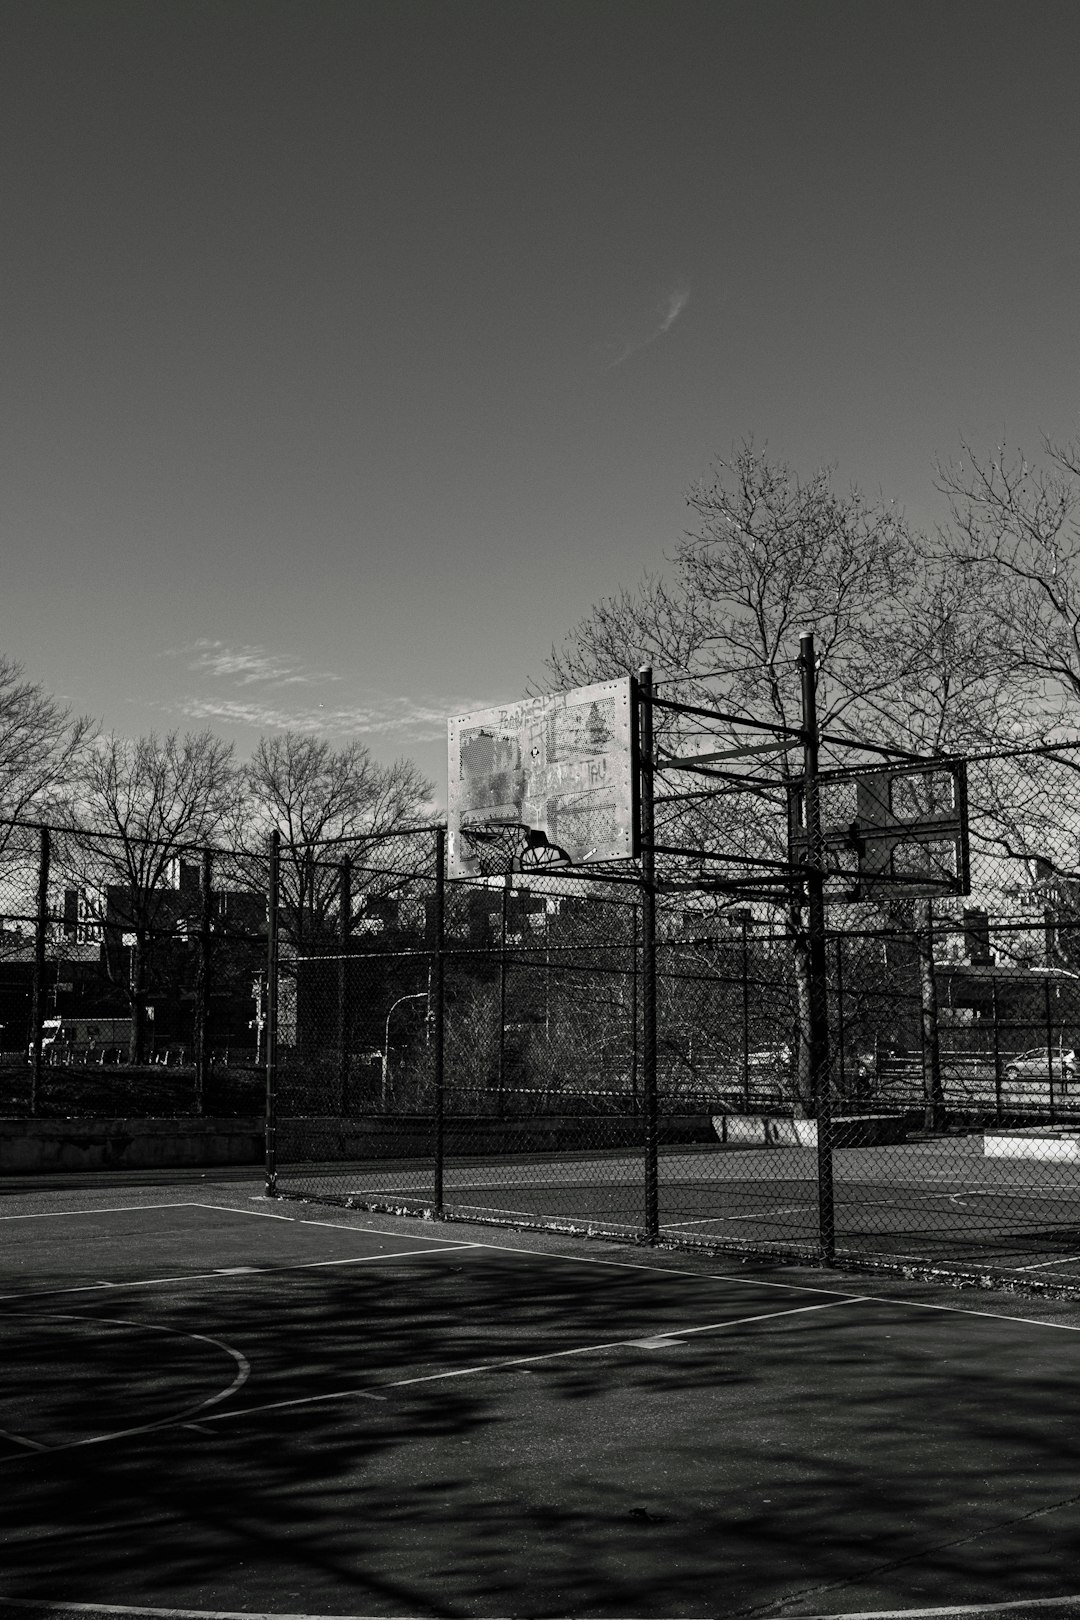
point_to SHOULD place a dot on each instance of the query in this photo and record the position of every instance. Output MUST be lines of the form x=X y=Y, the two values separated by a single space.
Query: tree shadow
x=861 y=1450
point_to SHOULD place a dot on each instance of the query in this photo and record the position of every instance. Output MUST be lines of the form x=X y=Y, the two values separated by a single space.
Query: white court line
x=961 y=1310
x=700 y=1276
x=21 y=1440
x=377 y=1392
x=216 y=1209
x=587 y=1223
x=1067 y=1260
x=248 y=1614
x=672 y=1334
x=300 y=1220
x=175 y=1419
x=112 y=1209
x=615 y=1227
x=757 y=1215
x=179 y=1614
x=925 y=1614
x=227 y=1271
x=621 y=1265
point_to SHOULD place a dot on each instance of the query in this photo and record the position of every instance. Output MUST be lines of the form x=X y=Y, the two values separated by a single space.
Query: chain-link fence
x=496 y=1067
x=483 y=1048
x=132 y=976
x=951 y=1136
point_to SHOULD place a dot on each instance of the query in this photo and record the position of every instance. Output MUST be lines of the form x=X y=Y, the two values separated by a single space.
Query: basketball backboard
x=896 y=833
x=551 y=780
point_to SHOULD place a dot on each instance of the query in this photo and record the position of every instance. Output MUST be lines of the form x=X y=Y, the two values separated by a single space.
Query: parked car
x=1042 y=1064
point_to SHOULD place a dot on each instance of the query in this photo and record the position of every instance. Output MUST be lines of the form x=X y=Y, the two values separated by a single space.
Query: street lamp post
x=416 y=995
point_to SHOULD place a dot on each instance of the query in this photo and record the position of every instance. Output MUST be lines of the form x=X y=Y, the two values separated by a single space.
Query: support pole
x=745 y=1016
x=202 y=982
x=37 y=991
x=648 y=955
x=997 y=1050
x=344 y=934
x=841 y=1032
x=1049 y=1021
x=634 y=1043
x=816 y=942
x=504 y=908
x=438 y=994
x=272 y=892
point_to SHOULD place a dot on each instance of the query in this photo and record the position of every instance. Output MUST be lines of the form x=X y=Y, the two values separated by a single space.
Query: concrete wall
x=34 y=1145
x=849 y=1130
x=1039 y=1142
x=38 y=1145
x=328 y=1139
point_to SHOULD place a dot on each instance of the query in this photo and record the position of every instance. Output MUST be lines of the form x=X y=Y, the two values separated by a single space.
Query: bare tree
x=903 y=656
x=41 y=745
x=144 y=803
x=901 y=645
x=312 y=793
x=1015 y=542
x=1016 y=533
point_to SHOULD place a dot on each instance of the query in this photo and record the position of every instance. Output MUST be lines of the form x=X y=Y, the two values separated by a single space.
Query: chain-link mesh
x=479 y=1047
x=356 y=1018
x=539 y=1106
x=952 y=1132
x=960 y=1018
x=728 y=1017
x=131 y=976
x=543 y=1088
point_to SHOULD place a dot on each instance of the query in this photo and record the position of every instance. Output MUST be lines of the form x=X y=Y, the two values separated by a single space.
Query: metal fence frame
x=593 y=1082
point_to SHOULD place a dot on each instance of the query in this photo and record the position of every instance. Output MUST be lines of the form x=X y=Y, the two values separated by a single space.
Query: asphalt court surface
x=217 y=1402
x=939 y=1202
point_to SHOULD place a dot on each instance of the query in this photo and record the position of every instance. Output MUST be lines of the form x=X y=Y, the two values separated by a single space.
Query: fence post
x=41 y=921
x=816 y=942
x=634 y=1048
x=439 y=1014
x=1049 y=1021
x=841 y=1032
x=648 y=956
x=501 y=1093
x=202 y=983
x=746 y=1015
x=997 y=1050
x=344 y=932
x=272 y=888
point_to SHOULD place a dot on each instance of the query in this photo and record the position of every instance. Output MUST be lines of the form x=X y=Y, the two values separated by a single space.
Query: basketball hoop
x=550 y=780
x=898 y=833
x=500 y=847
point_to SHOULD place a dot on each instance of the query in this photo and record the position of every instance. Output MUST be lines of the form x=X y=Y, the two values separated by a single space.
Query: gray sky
x=352 y=350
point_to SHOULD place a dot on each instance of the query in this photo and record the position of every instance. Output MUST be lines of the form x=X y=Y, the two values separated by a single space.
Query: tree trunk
x=137 y=993
x=933 y=1092
x=800 y=951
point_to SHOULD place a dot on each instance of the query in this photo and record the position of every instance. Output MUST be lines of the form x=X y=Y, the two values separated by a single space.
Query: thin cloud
x=670 y=310
x=251 y=686
x=248 y=665
x=420 y=722
x=676 y=303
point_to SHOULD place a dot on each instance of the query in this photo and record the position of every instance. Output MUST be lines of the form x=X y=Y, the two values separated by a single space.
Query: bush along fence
x=622 y=1058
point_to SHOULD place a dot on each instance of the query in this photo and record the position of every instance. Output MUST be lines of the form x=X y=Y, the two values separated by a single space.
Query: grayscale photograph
x=539 y=810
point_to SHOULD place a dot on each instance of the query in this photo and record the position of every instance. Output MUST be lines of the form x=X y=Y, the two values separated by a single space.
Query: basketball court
x=217 y=1403
x=222 y=1403
x=940 y=1203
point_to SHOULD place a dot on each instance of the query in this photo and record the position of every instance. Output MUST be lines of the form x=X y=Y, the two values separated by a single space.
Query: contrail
x=677 y=302
x=671 y=309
